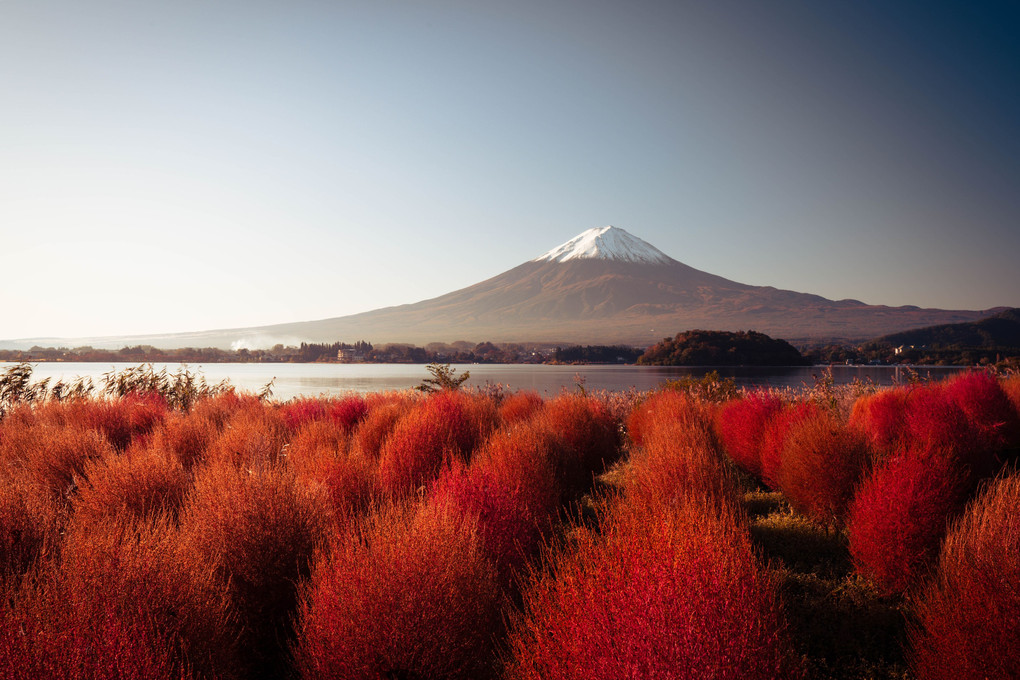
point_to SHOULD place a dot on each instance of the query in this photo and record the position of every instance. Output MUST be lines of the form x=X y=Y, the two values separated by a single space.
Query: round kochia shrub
x=121 y=601
x=510 y=489
x=822 y=461
x=880 y=416
x=900 y=512
x=143 y=483
x=659 y=409
x=741 y=424
x=671 y=594
x=679 y=458
x=520 y=406
x=444 y=426
x=260 y=527
x=52 y=456
x=411 y=594
x=773 y=440
x=968 y=616
x=587 y=437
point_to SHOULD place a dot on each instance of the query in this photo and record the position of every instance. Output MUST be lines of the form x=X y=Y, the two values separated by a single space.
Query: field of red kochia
x=480 y=535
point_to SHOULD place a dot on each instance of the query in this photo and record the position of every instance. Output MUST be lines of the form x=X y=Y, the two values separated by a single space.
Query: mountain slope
x=604 y=286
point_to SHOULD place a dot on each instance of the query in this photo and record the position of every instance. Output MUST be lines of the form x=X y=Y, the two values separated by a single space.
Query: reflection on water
x=292 y=380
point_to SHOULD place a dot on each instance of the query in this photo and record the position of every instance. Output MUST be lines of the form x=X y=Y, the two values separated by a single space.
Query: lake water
x=292 y=380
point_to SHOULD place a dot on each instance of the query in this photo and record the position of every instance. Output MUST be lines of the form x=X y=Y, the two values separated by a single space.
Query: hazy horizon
x=190 y=167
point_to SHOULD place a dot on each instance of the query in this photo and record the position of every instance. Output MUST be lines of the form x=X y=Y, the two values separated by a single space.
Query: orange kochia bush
x=822 y=461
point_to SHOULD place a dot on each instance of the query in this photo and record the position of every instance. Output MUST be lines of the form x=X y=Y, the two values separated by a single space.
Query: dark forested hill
x=722 y=348
x=999 y=331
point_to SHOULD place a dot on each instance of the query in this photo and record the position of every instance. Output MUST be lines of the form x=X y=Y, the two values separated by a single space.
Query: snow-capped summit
x=606 y=243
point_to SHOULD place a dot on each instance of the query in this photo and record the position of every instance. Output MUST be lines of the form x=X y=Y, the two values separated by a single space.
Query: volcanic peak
x=606 y=243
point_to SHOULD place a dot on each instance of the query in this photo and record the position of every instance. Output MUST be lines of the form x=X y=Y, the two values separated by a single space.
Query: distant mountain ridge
x=1001 y=330
x=604 y=286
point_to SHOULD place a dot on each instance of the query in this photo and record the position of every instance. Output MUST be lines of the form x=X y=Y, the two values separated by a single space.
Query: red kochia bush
x=587 y=436
x=968 y=617
x=185 y=438
x=520 y=406
x=119 y=604
x=881 y=417
x=348 y=412
x=657 y=409
x=822 y=461
x=260 y=527
x=409 y=595
x=774 y=437
x=679 y=458
x=118 y=419
x=443 y=426
x=510 y=489
x=141 y=483
x=53 y=456
x=990 y=413
x=899 y=515
x=968 y=415
x=255 y=434
x=29 y=523
x=300 y=411
x=671 y=594
x=345 y=413
x=383 y=414
x=741 y=424
x=1011 y=386
x=319 y=453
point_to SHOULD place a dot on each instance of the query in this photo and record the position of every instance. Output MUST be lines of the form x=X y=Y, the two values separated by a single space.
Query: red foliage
x=822 y=461
x=680 y=458
x=141 y=483
x=410 y=595
x=741 y=424
x=444 y=426
x=881 y=417
x=53 y=456
x=1011 y=386
x=511 y=503
x=968 y=617
x=260 y=527
x=300 y=411
x=993 y=419
x=520 y=406
x=29 y=525
x=119 y=604
x=659 y=409
x=899 y=514
x=253 y=435
x=587 y=436
x=774 y=437
x=119 y=420
x=380 y=420
x=184 y=437
x=319 y=454
x=674 y=594
x=348 y=412
x=217 y=410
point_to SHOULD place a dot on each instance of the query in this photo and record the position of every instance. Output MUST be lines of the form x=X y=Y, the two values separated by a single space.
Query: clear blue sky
x=178 y=166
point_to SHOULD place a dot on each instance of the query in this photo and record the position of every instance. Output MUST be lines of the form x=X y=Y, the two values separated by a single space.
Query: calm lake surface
x=291 y=380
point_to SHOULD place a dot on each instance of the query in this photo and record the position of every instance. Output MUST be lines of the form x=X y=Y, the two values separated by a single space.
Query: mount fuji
x=604 y=286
